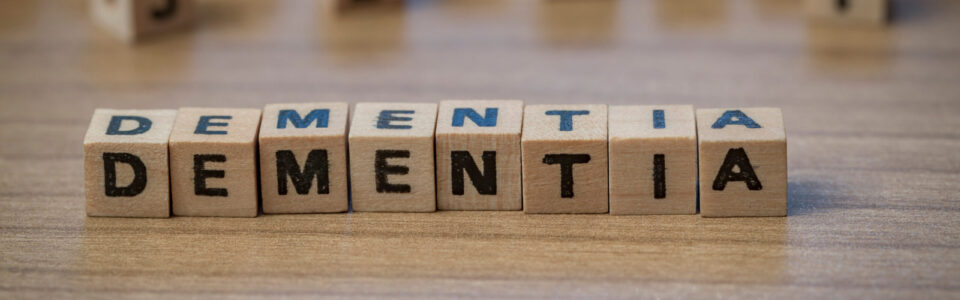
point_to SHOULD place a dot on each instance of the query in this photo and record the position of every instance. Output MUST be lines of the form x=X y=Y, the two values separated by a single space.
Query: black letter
x=200 y=175
x=566 y=162
x=316 y=165
x=659 y=177
x=486 y=182
x=842 y=5
x=135 y=187
x=382 y=169
x=166 y=11
x=736 y=157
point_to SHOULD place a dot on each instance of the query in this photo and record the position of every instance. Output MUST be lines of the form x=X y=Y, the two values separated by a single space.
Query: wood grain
x=865 y=12
x=871 y=118
x=392 y=157
x=144 y=146
x=213 y=162
x=743 y=164
x=563 y=150
x=315 y=153
x=501 y=137
x=635 y=142
x=133 y=20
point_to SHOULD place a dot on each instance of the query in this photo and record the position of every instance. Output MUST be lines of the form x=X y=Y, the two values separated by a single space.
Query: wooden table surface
x=871 y=115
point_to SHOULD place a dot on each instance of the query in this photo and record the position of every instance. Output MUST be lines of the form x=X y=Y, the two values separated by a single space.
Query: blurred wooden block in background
x=126 y=164
x=478 y=155
x=564 y=149
x=743 y=162
x=850 y=11
x=213 y=163
x=653 y=160
x=132 y=20
x=392 y=158
x=303 y=158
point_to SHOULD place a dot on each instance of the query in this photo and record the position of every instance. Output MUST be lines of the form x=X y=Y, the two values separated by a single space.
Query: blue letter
x=383 y=121
x=734 y=117
x=490 y=120
x=319 y=115
x=205 y=121
x=566 y=117
x=658 y=121
x=143 y=124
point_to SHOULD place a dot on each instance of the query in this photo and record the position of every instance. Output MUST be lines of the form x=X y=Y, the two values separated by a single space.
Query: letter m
x=321 y=116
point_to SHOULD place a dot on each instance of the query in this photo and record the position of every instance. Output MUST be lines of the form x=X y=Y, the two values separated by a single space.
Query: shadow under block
x=125 y=162
x=564 y=149
x=132 y=20
x=653 y=160
x=478 y=155
x=303 y=158
x=213 y=163
x=743 y=162
x=391 y=157
x=848 y=11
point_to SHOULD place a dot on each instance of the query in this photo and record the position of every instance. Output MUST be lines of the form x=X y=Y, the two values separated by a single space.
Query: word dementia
x=421 y=157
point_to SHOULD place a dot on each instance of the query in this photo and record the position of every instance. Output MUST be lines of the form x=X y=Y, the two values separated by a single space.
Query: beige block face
x=135 y=19
x=126 y=173
x=213 y=163
x=289 y=133
x=497 y=141
x=570 y=139
x=641 y=151
x=731 y=152
x=851 y=11
x=391 y=157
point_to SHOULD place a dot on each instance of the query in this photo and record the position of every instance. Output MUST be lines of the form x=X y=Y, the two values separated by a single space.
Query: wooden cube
x=391 y=157
x=653 y=160
x=743 y=162
x=213 y=162
x=478 y=155
x=125 y=163
x=132 y=20
x=564 y=150
x=849 y=11
x=303 y=158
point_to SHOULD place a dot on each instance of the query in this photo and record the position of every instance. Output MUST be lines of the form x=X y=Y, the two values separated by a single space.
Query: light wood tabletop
x=871 y=117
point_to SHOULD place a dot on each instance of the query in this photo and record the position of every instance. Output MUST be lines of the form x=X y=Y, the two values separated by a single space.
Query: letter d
x=135 y=187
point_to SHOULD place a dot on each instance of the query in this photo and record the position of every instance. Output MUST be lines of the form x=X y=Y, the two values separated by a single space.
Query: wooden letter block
x=303 y=158
x=213 y=162
x=564 y=149
x=653 y=160
x=132 y=20
x=743 y=162
x=850 y=11
x=391 y=157
x=125 y=163
x=478 y=155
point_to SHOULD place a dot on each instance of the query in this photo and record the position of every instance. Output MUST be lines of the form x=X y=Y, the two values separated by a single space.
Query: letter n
x=485 y=183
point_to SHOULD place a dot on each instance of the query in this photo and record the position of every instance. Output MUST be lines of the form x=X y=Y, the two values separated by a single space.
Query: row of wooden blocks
x=135 y=19
x=420 y=157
